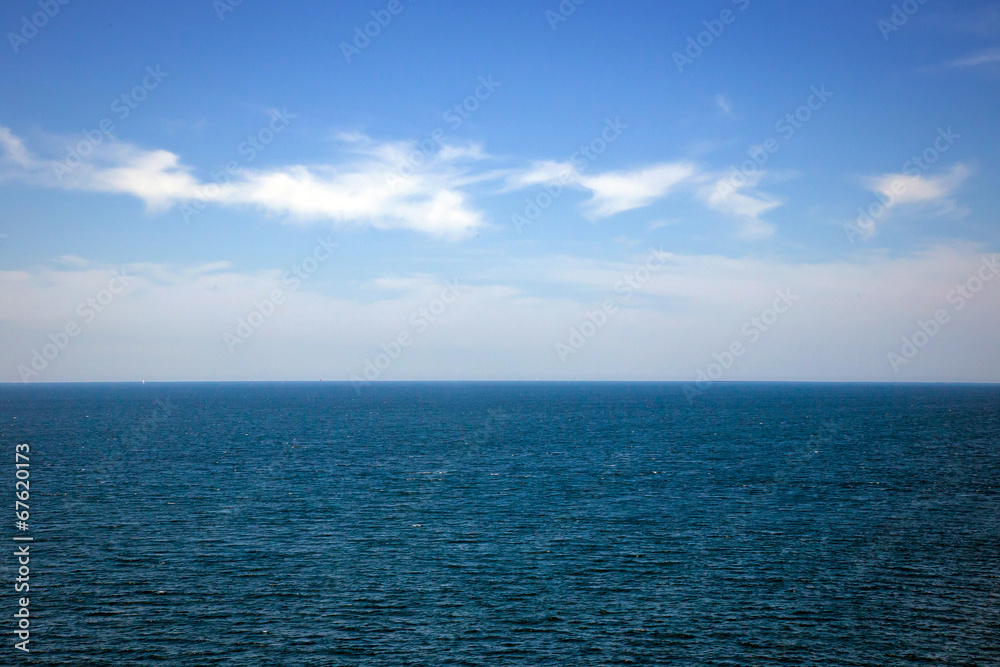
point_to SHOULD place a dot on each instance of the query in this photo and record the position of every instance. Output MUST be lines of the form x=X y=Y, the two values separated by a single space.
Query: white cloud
x=543 y=172
x=383 y=185
x=756 y=230
x=612 y=192
x=619 y=191
x=13 y=147
x=71 y=260
x=725 y=195
x=917 y=189
x=378 y=184
x=157 y=176
x=736 y=195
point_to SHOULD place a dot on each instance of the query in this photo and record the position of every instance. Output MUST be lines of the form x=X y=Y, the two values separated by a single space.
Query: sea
x=504 y=524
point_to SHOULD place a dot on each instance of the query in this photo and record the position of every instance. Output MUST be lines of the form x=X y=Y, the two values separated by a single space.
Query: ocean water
x=508 y=524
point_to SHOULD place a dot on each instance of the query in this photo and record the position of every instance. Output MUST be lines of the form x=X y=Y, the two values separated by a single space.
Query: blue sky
x=422 y=152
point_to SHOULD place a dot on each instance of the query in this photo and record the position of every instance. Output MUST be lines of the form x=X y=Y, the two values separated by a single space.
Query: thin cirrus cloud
x=976 y=59
x=724 y=106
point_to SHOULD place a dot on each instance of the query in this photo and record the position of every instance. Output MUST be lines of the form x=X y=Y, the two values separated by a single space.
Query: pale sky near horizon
x=393 y=190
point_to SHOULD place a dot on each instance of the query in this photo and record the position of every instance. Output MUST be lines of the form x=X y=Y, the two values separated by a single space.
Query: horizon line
x=536 y=381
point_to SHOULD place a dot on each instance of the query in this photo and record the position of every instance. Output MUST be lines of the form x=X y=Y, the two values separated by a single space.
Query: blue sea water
x=508 y=524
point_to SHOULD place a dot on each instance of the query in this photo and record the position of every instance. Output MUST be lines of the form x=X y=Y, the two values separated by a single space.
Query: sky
x=400 y=190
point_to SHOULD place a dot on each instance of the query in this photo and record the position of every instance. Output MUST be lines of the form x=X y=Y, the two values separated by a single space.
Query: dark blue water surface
x=507 y=524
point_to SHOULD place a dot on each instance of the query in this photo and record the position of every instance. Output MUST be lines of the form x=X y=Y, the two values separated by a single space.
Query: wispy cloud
x=738 y=197
x=72 y=261
x=612 y=192
x=981 y=58
x=619 y=191
x=915 y=189
x=379 y=185
x=724 y=106
x=13 y=148
x=367 y=188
